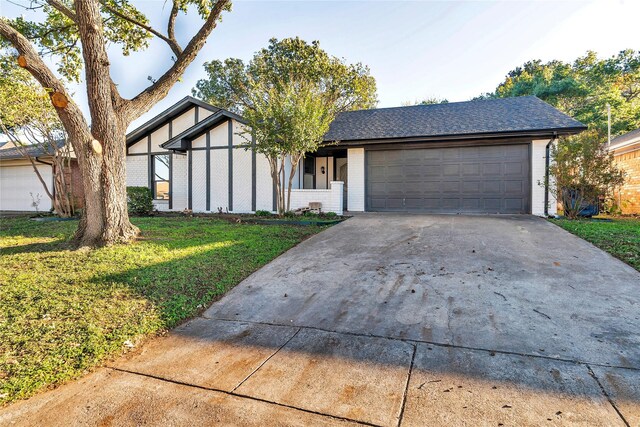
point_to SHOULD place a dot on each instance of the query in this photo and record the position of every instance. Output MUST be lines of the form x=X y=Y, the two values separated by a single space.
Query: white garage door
x=19 y=183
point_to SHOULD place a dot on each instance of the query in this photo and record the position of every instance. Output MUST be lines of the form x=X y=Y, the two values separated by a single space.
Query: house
x=20 y=187
x=485 y=156
x=626 y=154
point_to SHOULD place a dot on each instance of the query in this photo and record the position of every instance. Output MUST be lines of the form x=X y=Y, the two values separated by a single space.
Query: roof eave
x=539 y=133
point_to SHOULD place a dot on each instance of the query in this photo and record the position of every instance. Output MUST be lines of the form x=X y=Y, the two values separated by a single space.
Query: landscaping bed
x=620 y=236
x=63 y=312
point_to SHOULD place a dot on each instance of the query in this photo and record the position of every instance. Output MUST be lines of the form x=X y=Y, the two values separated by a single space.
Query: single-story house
x=626 y=154
x=485 y=156
x=20 y=188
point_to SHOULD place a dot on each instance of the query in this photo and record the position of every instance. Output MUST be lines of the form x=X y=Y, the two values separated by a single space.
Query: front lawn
x=63 y=312
x=620 y=236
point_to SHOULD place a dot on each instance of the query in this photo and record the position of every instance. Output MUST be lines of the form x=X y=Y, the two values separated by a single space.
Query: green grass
x=63 y=312
x=620 y=237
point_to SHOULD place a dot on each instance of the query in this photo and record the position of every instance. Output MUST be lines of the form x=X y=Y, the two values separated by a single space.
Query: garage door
x=481 y=179
x=19 y=187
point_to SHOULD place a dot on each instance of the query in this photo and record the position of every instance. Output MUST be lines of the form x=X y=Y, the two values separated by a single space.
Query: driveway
x=391 y=320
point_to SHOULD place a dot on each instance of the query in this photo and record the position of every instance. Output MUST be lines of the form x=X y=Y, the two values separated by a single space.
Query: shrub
x=330 y=215
x=263 y=213
x=139 y=200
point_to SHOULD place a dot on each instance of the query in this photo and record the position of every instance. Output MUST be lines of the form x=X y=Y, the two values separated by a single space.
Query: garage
x=20 y=188
x=473 y=179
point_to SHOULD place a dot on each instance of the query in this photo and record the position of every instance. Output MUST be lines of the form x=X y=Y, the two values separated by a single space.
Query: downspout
x=547 y=163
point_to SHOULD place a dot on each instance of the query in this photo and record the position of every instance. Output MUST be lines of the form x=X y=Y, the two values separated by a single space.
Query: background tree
x=27 y=118
x=583 y=171
x=76 y=33
x=583 y=89
x=427 y=101
x=288 y=94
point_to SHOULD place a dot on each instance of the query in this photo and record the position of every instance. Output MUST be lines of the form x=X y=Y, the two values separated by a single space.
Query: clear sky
x=449 y=49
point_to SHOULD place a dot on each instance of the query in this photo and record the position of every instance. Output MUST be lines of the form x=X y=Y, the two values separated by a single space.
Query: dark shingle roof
x=504 y=115
x=31 y=150
x=625 y=138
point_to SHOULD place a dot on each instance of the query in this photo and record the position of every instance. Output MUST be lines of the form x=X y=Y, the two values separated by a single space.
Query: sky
x=447 y=49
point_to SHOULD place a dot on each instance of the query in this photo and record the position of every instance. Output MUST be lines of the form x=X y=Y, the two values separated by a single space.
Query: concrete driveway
x=391 y=320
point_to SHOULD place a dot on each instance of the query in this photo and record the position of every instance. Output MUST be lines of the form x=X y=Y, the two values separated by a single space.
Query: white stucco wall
x=219 y=165
x=139 y=146
x=183 y=121
x=355 y=174
x=159 y=137
x=538 y=152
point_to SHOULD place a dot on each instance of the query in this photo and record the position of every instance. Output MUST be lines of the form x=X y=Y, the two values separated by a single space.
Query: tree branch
x=71 y=116
x=147 y=98
x=62 y=9
x=171 y=41
x=171 y=25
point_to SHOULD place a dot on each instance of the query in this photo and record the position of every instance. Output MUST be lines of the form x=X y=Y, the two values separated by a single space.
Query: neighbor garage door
x=480 y=179
x=20 y=188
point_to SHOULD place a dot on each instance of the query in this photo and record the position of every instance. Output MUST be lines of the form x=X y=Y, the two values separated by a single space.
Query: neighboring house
x=466 y=157
x=626 y=153
x=20 y=187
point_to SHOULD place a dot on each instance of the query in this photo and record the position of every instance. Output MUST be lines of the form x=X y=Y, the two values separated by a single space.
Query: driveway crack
x=604 y=392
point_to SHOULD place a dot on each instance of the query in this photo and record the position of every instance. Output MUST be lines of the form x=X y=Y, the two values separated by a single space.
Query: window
x=309 y=168
x=161 y=177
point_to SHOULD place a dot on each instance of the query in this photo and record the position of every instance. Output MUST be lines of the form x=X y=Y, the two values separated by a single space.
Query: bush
x=263 y=213
x=139 y=200
x=330 y=215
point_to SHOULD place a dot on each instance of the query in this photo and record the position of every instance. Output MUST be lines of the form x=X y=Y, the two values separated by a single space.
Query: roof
x=625 y=139
x=159 y=120
x=520 y=115
x=31 y=150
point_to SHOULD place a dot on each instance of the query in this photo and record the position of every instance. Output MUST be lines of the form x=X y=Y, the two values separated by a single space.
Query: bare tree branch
x=171 y=41
x=147 y=98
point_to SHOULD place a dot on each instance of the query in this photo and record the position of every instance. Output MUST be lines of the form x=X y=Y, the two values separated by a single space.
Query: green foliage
x=288 y=94
x=620 y=236
x=233 y=85
x=583 y=89
x=23 y=102
x=263 y=213
x=330 y=215
x=139 y=200
x=68 y=311
x=583 y=171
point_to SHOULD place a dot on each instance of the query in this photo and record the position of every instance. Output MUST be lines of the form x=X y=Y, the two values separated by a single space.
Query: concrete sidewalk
x=391 y=320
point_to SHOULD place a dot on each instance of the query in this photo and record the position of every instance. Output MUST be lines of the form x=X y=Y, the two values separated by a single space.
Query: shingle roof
x=31 y=150
x=503 y=115
x=625 y=138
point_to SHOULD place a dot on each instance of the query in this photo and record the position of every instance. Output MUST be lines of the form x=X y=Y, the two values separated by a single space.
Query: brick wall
x=629 y=194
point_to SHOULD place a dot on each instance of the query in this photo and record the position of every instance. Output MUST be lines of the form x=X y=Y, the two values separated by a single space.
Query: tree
x=427 y=101
x=28 y=119
x=583 y=171
x=76 y=33
x=583 y=89
x=288 y=94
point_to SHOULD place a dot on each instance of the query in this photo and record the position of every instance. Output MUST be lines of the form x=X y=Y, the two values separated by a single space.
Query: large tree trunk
x=105 y=219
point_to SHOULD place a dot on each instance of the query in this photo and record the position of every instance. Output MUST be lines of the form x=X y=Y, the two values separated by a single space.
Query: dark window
x=161 y=177
x=310 y=165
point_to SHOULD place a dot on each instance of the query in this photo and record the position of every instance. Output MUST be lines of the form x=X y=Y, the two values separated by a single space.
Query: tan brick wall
x=630 y=191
